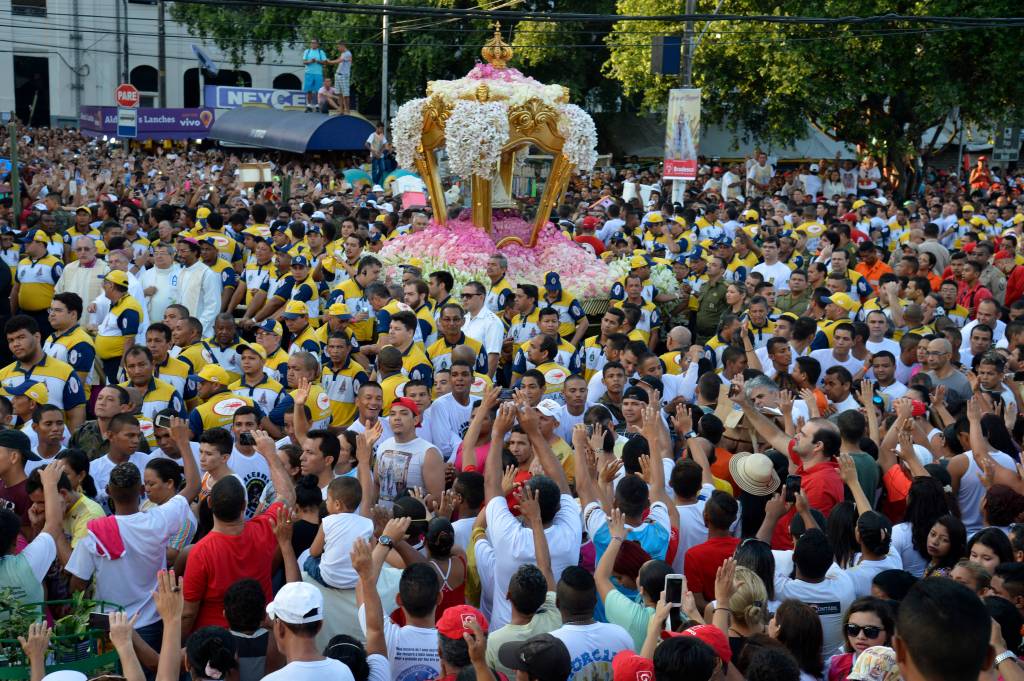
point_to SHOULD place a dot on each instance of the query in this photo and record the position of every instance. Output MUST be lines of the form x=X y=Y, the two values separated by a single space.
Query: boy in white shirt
x=328 y=560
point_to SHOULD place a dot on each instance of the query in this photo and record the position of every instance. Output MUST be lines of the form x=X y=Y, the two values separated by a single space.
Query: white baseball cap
x=297 y=603
x=549 y=407
x=318 y=215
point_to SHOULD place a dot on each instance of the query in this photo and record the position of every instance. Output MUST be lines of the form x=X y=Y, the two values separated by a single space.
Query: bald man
x=941 y=370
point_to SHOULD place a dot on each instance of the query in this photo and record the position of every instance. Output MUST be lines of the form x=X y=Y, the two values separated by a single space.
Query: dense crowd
x=802 y=462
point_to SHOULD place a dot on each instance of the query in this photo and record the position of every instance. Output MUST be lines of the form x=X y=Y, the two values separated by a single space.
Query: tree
x=877 y=86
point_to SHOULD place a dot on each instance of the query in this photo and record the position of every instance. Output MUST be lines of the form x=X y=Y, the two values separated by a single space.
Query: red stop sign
x=127 y=95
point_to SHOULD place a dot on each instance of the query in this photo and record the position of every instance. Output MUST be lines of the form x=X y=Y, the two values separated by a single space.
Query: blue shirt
x=314 y=69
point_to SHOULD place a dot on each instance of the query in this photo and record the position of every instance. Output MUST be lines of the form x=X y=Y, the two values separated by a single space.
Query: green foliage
x=879 y=86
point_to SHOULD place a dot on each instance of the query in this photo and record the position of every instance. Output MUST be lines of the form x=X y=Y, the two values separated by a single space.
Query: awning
x=293 y=131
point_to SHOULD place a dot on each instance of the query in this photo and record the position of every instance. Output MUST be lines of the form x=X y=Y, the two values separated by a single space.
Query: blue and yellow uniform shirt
x=569 y=313
x=267 y=393
x=341 y=386
x=567 y=356
x=176 y=373
x=426 y=328
x=416 y=366
x=590 y=357
x=306 y=342
x=196 y=356
x=36 y=279
x=118 y=329
x=159 y=395
x=384 y=314
x=319 y=404
x=650 y=318
x=307 y=292
x=218 y=411
x=440 y=353
x=714 y=349
x=500 y=296
x=256 y=277
x=524 y=327
x=62 y=383
x=73 y=346
x=354 y=296
x=393 y=387
x=228 y=275
x=277 y=366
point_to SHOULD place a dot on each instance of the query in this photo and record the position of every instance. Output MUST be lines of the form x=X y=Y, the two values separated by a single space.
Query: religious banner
x=682 y=134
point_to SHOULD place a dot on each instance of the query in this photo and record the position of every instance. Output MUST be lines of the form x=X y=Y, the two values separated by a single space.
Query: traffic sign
x=127 y=95
x=127 y=122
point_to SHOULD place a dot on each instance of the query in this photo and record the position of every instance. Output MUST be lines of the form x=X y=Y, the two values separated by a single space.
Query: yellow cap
x=255 y=347
x=844 y=301
x=637 y=261
x=655 y=218
x=339 y=310
x=117 y=277
x=968 y=207
x=214 y=374
x=35 y=391
x=858 y=203
x=1017 y=219
x=750 y=214
x=40 y=236
x=415 y=262
x=294 y=309
x=679 y=219
x=202 y=213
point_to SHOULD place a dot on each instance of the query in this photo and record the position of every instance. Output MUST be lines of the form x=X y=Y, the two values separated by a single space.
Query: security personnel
x=268 y=334
x=190 y=347
x=223 y=345
x=638 y=266
x=157 y=395
x=566 y=355
x=711 y=301
x=543 y=350
x=117 y=331
x=35 y=279
x=500 y=293
x=304 y=289
x=255 y=384
x=69 y=342
x=341 y=378
x=451 y=336
x=524 y=323
x=218 y=405
x=415 y=364
x=296 y=318
x=210 y=256
x=352 y=292
x=302 y=366
x=572 y=320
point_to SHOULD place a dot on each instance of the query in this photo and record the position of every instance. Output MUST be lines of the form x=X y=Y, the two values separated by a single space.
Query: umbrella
x=355 y=177
x=395 y=174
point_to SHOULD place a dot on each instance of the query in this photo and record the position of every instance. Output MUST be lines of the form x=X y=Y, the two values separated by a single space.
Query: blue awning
x=293 y=131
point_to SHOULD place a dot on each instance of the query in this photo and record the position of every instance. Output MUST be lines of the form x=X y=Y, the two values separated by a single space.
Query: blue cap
x=209 y=241
x=681 y=259
x=300 y=261
x=278 y=226
x=696 y=254
x=21 y=388
x=314 y=228
x=283 y=249
x=786 y=233
x=723 y=241
x=684 y=245
x=374 y=237
x=552 y=282
x=271 y=326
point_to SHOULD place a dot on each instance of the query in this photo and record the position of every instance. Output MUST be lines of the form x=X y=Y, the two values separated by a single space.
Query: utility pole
x=124 y=48
x=12 y=131
x=385 y=25
x=687 y=74
x=161 y=58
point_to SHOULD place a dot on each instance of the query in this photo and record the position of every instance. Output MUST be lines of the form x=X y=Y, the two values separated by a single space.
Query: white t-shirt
x=131 y=579
x=447 y=421
x=515 y=544
x=874 y=347
x=592 y=647
x=692 y=530
x=777 y=274
x=903 y=544
x=566 y=422
x=828 y=360
x=894 y=391
x=320 y=670
x=831 y=598
x=100 y=469
x=400 y=467
x=161 y=454
x=341 y=531
x=412 y=651
x=863 y=572
x=254 y=472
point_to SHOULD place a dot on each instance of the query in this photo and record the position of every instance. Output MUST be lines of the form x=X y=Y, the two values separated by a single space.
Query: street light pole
x=385 y=25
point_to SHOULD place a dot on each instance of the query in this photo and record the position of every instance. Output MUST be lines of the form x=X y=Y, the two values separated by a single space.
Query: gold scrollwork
x=483 y=93
x=531 y=115
x=438 y=110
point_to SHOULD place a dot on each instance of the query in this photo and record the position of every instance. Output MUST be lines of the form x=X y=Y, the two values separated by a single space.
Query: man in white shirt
x=839 y=354
x=812 y=181
x=448 y=417
x=878 y=326
x=978 y=343
x=838 y=387
x=883 y=366
x=296 y=606
x=160 y=282
x=405 y=461
x=773 y=271
x=481 y=324
x=732 y=184
x=200 y=290
x=759 y=175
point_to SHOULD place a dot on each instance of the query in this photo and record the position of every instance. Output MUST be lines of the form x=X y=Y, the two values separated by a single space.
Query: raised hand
x=617 y=524
x=361 y=556
x=529 y=506
x=682 y=421
x=786 y=401
x=301 y=393
x=504 y=420
x=847 y=469
x=610 y=470
x=724 y=582
x=169 y=597
x=281 y=525
x=121 y=627
x=508 y=480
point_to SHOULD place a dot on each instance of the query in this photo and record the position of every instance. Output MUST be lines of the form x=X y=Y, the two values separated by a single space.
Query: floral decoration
x=406 y=127
x=474 y=135
x=662 y=276
x=577 y=127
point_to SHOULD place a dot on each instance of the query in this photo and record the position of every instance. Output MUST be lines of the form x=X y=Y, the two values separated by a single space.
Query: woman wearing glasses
x=869 y=622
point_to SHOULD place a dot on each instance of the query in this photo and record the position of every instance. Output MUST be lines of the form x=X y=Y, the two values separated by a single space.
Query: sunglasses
x=853 y=630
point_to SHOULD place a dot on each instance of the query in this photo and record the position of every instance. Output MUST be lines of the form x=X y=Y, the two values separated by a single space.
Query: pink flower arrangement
x=463 y=249
x=484 y=71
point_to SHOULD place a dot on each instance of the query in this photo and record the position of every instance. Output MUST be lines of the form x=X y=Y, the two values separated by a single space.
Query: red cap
x=455 y=621
x=849 y=217
x=408 y=404
x=628 y=666
x=1003 y=255
x=713 y=636
x=590 y=222
x=918 y=408
x=969 y=247
x=716 y=169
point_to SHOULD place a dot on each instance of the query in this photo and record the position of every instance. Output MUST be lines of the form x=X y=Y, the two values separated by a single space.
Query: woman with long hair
x=736 y=299
x=749 y=607
x=990 y=548
x=842 y=535
x=796 y=626
x=946 y=544
x=926 y=503
x=868 y=622
x=757 y=556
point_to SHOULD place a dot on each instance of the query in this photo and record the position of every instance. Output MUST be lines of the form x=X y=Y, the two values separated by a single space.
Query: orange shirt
x=872 y=272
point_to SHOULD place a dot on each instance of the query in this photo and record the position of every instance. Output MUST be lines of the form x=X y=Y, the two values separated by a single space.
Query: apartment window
x=29 y=8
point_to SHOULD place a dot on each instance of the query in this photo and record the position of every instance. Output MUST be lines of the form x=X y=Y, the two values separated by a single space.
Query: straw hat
x=754 y=473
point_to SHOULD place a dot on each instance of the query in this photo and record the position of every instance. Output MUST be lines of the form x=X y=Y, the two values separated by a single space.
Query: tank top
x=252 y=654
x=971 y=490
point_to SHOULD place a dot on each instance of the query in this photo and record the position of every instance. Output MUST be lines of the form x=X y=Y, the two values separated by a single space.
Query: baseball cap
x=34 y=390
x=339 y=310
x=1003 y=255
x=278 y=226
x=637 y=261
x=655 y=218
x=750 y=215
x=968 y=208
x=117 y=277
x=859 y=203
x=300 y=261
x=635 y=393
x=549 y=407
x=297 y=603
x=628 y=666
x=543 y=657
x=17 y=440
x=552 y=281
x=696 y=254
x=313 y=229
x=254 y=347
x=814 y=168
x=877 y=663
x=214 y=374
x=589 y=222
x=318 y=215
x=455 y=620
x=791 y=316
x=843 y=300
x=714 y=637
x=84 y=209
x=411 y=406
x=271 y=326
x=294 y=309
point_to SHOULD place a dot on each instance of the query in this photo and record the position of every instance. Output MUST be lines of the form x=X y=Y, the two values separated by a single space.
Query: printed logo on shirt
x=645 y=675
x=416 y=672
x=228 y=407
x=833 y=608
x=556 y=376
x=323 y=401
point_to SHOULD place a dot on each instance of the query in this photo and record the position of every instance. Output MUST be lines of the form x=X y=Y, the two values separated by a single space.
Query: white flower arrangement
x=474 y=135
x=577 y=127
x=406 y=128
x=512 y=93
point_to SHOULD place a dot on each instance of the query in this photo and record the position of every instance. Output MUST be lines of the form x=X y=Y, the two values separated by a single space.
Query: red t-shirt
x=219 y=560
x=595 y=244
x=702 y=561
x=823 y=488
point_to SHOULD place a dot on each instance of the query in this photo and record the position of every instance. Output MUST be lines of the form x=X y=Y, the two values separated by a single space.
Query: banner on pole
x=682 y=134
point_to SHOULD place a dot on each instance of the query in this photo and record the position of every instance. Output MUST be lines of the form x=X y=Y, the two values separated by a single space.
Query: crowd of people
x=803 y=462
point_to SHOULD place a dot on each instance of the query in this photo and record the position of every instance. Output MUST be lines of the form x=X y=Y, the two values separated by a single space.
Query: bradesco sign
x=97 y=121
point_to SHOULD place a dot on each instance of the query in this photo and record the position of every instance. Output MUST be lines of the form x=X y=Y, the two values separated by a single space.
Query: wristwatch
x=385 y=540
x=690 y=435
x=1004 y=656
